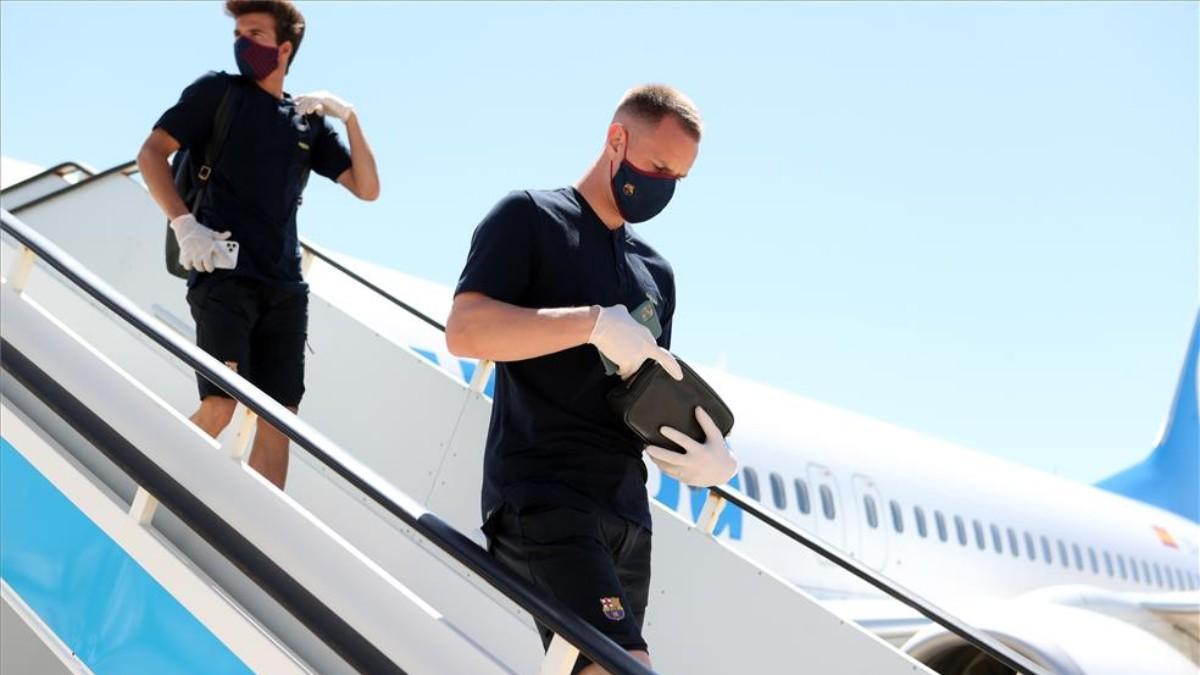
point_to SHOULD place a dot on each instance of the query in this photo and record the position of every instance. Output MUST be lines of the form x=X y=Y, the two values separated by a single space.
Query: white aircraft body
x=1010 y=548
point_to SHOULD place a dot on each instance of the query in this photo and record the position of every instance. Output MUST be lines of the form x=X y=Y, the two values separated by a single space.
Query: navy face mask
x=641 y=195
x=254 y=60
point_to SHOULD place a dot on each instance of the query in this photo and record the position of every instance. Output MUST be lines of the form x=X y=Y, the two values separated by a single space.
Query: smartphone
x=226 y=255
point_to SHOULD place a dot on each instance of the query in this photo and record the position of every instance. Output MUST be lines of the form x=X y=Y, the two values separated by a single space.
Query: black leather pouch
x=652 y=399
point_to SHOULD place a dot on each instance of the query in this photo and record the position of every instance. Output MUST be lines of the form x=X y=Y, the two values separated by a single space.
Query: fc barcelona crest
x=612 y=608
x=629 y=189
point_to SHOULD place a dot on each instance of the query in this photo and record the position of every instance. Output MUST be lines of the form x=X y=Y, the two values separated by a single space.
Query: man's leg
x=593 y=669
x=277 y=350
x=270 y=454
x=565 y=553
x=224 y=312
x=631 y=543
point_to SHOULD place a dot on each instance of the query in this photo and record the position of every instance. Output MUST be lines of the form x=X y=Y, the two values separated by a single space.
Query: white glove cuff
x=184 y=225
x=596 y=326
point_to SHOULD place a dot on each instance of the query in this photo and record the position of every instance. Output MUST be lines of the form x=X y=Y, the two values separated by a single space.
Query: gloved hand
x=324 y=103
x=628 y=343
x=197 y=243
x=704 y=464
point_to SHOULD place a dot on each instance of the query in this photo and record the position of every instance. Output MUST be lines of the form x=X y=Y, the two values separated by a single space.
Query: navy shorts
x=594 y=562
x=262 y=328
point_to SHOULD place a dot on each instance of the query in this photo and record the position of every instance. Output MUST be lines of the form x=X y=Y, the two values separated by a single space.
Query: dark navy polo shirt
x=553 y=439
x=255 y=189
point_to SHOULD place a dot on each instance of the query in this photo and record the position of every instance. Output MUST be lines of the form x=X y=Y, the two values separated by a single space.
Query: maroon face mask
x=254 y=60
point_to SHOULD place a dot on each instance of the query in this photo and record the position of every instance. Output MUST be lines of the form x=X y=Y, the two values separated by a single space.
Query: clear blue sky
x=975 y=220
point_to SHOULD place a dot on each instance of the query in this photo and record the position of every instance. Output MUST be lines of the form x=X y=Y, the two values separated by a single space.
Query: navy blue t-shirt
x=255 y=189
x=553 y=439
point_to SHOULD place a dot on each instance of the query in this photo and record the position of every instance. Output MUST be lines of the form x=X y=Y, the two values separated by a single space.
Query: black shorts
x=260 y=327
x=596 y=563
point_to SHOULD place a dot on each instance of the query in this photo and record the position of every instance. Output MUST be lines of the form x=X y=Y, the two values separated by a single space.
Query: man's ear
x=618 y=136
x=285 y=55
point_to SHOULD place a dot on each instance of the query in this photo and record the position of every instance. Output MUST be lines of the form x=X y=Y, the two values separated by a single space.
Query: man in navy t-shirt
x=252 y=313
x=561 y=291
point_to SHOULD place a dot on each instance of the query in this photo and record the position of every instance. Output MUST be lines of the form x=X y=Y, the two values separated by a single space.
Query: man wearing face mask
x=566 y=297
x=254 y=317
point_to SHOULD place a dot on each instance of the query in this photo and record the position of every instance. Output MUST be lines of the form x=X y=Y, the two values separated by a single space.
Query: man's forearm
x=156 y=173
x=483 y=328
x=362 y=161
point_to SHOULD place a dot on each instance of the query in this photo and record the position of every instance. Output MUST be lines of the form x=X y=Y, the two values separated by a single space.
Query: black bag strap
x=222 y=120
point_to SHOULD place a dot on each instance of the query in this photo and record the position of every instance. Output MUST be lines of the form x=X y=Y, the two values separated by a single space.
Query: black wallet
x=652 y=399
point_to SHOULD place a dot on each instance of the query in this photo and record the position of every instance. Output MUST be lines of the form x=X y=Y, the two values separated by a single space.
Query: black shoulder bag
x=192 y=182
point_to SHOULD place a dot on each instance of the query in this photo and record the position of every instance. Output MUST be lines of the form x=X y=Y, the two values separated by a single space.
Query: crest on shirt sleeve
x=613 y=610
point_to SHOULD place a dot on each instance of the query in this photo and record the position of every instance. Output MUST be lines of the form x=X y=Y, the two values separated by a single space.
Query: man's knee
x=214 y=414
x=639 y=655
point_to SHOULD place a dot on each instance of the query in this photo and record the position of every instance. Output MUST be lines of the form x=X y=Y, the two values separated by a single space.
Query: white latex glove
x=323 y=103
x=704 y=464
x=197 y=243
x=628 y=343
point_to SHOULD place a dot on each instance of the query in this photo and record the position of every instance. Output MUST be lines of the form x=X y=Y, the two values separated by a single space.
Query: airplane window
x=1013 y=547
x=1108 y=563
x=897 y=518
x=1046 y=554
x=1170 y=581
x=1121 y=566
x=802 y=497
x=1133 y=567
x=979 y=538
x=1029 y=547
x=961 y=530
x=941 y=524
x=1062 y=553
x=919 y=516
x=1092 y=560
x=827 y=502
x=1158 y=575
x=1146 y=572
x=996 y=544
x=778 y=492
x=751 y=477
x=872 y=515
x=1078 y=557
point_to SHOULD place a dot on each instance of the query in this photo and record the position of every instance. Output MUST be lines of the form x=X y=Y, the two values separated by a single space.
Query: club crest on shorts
x=629 y=189
x=612 y=608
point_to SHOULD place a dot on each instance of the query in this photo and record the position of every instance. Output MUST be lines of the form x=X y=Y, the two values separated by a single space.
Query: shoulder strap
x=220 y=129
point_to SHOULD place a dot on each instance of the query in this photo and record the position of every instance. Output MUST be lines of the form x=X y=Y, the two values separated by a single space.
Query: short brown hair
x=652 y=102
x=289 y=22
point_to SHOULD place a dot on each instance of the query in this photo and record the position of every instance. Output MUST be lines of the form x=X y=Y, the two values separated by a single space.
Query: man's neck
x=596 y=188
x=273 y=85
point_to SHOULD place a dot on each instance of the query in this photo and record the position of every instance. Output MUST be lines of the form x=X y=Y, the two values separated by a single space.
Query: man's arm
x=156 y=172
x=362 y=178
x=483 y=328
